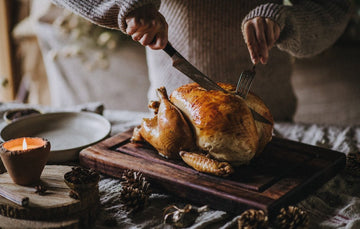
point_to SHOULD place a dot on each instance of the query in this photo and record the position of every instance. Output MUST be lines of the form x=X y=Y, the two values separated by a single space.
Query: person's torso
x=208 y=33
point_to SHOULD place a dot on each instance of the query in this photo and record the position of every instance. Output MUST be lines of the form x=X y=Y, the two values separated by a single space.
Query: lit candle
x=27 y=143
x=25 y=158
x=24 y=144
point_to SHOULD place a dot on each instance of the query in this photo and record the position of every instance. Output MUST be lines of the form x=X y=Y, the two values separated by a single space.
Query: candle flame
x=24 y=146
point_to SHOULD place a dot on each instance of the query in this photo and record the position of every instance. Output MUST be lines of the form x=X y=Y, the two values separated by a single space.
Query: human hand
x=260 y=35
x=147 y=26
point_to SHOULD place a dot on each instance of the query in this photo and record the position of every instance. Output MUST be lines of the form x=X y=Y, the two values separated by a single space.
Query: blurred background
x=50 y=56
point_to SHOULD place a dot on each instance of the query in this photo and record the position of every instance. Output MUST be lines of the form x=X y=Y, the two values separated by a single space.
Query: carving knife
x=184 y=66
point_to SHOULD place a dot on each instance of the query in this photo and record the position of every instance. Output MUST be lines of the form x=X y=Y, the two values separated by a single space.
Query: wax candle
x=25 y=158
x=27 y=143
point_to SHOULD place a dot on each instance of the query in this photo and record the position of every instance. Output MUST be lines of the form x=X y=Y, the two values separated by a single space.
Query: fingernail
x=253 y=58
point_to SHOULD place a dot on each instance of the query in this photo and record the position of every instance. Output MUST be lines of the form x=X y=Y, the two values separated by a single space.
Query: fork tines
x=244 y=82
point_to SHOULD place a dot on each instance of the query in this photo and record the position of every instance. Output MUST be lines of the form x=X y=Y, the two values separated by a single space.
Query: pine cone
x=135 y=190
x=253 y=219
x=40 y=189
x=182 y=217
x=292 y=217
x=73 y=194
x=353 y=163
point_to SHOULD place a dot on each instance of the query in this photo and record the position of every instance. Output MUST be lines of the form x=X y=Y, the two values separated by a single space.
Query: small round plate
x=68 y=132
x=14 y=114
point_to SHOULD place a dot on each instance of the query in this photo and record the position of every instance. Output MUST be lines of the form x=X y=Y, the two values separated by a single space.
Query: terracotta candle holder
x=25 y=158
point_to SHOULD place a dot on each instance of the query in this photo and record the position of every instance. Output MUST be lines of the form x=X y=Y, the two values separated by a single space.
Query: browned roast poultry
x=168 y=131
x=205 y=164
x=222 y=122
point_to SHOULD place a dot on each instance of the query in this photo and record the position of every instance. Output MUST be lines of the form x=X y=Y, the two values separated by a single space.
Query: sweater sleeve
x=106 y=13
x=308 y=27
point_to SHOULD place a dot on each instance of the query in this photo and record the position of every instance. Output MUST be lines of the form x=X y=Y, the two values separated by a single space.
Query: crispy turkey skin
x=167 y=131
x=219 y=123
x=223 y=123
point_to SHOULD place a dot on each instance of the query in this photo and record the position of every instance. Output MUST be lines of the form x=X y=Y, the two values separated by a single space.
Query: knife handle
x=169 y=49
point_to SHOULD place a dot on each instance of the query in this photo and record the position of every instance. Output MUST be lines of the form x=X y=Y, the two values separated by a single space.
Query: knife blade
x=184 y=66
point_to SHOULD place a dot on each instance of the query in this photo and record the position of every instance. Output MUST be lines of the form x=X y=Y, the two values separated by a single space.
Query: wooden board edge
x=116 y=140
x=304 y=147
x=6 y=222
x=308 y=187
x=194 y=191
x=290 y=198
x=34 y=212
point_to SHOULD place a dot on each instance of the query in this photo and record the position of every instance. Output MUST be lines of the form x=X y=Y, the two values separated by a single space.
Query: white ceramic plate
x=68 y=132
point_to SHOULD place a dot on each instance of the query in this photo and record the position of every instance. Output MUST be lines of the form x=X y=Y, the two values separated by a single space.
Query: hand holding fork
x=244 y=83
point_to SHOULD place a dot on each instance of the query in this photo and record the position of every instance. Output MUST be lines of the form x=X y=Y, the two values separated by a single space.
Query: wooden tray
x=286 y=172
x=54 y=209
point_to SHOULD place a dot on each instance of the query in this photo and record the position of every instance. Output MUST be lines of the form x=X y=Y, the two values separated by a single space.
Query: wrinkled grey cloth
x=335 y=205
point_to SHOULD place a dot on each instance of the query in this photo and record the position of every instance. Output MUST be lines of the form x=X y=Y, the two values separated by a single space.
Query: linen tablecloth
x=335 y=205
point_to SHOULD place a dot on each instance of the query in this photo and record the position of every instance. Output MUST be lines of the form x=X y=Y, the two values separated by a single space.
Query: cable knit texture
x=209 y=35
x=107 y=13
x=271 y=10
x=308 y=27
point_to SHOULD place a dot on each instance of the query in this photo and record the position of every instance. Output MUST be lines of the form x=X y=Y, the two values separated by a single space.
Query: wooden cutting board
x=286 y=172
x=54 y=209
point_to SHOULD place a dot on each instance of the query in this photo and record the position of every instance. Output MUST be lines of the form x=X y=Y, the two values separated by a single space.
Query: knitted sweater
x=209 y=35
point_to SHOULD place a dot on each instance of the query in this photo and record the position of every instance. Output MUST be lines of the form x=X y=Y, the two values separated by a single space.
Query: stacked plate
x=68 y=132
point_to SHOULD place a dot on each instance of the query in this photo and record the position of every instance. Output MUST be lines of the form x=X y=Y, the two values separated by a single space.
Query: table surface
x=335 y=205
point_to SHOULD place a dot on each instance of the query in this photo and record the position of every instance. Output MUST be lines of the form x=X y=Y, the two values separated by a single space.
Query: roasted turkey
x=168 y=131
x=195 y=121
